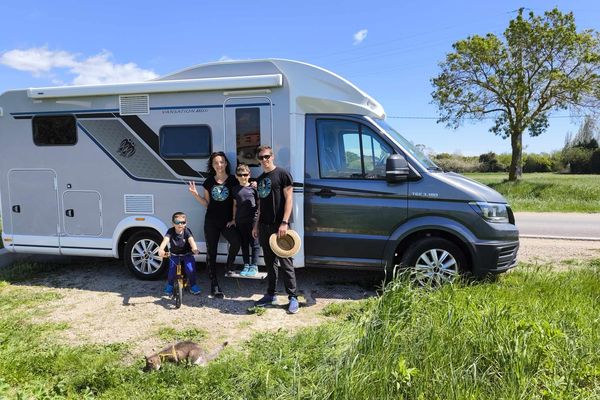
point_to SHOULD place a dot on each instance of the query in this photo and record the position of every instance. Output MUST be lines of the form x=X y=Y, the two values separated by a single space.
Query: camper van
x=98 y=170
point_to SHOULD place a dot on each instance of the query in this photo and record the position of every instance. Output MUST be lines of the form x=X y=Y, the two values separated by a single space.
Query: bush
x=537 y=163
x=578 y=159
x=595 y=162
x=489 y=163
x=458 y=164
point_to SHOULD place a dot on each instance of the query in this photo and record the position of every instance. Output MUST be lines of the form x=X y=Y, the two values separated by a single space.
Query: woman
x=218 y=200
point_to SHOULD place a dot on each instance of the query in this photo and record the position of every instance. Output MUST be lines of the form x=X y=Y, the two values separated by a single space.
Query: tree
x=587 y=136
x=542 y=65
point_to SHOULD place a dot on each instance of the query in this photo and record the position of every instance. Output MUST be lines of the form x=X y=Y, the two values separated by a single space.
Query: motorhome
x=97 y=170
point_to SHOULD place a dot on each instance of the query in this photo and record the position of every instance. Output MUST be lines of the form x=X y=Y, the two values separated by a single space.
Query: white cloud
x=360 y=36
x=92 y=70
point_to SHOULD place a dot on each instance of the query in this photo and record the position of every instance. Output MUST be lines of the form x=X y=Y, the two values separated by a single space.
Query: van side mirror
x=396 y=168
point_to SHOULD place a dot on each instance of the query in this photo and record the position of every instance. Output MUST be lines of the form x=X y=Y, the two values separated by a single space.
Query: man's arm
x=288 y=193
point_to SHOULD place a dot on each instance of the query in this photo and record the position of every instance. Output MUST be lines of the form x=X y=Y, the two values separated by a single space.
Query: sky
x=389 y=49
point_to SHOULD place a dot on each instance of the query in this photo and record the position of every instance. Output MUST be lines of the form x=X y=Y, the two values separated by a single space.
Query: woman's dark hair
x=209 y=167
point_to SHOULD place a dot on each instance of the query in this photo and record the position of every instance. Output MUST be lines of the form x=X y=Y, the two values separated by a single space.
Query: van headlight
x=491 y=212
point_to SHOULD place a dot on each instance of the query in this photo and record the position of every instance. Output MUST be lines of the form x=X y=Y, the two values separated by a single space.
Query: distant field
x=546 y=191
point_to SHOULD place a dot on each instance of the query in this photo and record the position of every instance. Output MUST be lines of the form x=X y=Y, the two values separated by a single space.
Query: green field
x=533 y=334
x=544 y=192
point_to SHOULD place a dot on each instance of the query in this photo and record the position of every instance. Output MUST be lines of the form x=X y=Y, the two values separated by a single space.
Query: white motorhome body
x=87 y=170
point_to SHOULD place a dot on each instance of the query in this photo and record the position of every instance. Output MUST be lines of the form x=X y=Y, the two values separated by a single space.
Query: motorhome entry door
x=248 y=123
x=34 y=207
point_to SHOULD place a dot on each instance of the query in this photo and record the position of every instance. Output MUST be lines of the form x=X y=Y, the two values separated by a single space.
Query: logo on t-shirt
x=264 y=188
x=220 y=192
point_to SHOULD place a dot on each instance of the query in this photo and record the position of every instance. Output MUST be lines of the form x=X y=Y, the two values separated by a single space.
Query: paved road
x=568 y=225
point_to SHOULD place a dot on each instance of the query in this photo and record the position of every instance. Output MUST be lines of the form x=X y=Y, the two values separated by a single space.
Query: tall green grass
x=533 y=334
x=546 y=191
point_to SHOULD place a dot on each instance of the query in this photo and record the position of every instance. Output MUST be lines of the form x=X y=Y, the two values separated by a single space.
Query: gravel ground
x=102 y=303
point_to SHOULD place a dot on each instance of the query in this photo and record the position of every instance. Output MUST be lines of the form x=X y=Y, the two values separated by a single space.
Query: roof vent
x=134 y=104
x=139 y=204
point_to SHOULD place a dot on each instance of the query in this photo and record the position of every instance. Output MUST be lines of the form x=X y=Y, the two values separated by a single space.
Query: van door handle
x=70 y=212
x=325 y=193
x=16 y=209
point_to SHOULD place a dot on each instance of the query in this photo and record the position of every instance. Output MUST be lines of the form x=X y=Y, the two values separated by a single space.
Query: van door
x=82 y=213
x=33 y=197
x=248 y=123
x=350 y=210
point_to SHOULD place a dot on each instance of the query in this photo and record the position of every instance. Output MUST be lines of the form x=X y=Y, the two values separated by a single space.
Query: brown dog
x=189 y=352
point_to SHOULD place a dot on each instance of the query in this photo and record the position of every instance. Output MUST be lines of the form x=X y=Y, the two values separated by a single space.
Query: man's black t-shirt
x=270 y=191
x=220 y=205
x=246 y=198
x=178 y=243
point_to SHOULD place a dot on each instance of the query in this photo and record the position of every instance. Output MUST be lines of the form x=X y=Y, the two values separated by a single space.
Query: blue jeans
x=189 y=268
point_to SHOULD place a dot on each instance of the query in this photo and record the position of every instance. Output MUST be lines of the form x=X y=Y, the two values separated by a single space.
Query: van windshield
x=408 y=146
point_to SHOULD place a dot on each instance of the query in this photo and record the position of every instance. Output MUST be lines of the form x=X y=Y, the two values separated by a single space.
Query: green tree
x=541 y=65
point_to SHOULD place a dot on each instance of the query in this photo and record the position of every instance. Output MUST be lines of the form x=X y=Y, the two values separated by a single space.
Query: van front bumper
x=494 y=257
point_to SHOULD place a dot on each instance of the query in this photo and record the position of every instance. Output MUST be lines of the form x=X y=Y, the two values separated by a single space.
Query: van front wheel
x=141 y=255
x=434 y=261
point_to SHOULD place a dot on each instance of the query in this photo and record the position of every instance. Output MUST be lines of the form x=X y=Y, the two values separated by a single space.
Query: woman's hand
x=195 y=250
x=192 y=188
x=231 y=223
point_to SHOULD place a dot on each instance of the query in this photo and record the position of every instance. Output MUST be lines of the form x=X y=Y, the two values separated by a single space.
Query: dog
x=189 y=352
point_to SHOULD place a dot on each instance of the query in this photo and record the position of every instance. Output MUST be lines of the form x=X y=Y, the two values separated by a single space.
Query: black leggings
x=248 y=242
x=212 y=232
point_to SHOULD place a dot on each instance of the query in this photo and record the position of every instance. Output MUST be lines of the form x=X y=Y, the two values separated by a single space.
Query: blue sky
x=390 y=49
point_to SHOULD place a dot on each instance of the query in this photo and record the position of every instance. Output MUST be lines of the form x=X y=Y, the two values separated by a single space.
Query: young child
x=245 y=213
x=182 y=245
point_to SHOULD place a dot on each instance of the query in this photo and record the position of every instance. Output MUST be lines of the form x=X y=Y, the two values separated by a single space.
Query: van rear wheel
x=434 y=261
x=141 y=255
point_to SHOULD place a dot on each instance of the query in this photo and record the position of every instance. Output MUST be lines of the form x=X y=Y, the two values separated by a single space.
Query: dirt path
x=102 y=303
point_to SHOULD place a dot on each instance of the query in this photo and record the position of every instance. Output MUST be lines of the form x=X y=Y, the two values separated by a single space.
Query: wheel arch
x=131 y=225
x=418 y=228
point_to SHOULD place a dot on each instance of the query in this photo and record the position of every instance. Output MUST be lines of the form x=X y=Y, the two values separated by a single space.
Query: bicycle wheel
x=178 y=293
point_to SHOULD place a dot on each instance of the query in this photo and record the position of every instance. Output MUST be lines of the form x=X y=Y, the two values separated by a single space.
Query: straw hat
x=286 y=246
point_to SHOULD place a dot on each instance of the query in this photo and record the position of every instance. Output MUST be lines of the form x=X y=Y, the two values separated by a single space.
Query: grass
x=545 y=192
x=169 y=334
x=533 y=334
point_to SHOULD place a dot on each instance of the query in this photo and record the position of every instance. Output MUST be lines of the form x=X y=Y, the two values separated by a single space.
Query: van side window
x=350 y=150
x=247 y=134
x=55 y=130
x=185 y=141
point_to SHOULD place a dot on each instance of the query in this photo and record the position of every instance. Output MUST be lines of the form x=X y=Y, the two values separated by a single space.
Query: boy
x=275 y=191
x=245 y=214
x=182 y=245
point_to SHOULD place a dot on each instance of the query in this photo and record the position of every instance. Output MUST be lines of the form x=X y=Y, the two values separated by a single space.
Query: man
x=275 y=191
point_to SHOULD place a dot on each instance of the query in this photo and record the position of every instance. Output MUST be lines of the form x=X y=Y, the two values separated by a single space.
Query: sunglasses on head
x=265 y=157
x=245 y=174
x=179 y=222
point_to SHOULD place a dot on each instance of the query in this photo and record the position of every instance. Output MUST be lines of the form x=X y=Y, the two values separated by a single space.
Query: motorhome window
x=407 y=145
x=247 y=134
x=185 y=141
x=375 y=153
x=350 y=150
x=55 y=130
x=339 y=148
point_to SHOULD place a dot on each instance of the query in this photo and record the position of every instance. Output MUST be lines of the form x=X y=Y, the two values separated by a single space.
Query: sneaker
x=168 y=290
x=252 y=270
x=195 y=289
x=244 y=271
x=215 y=291
x=293 y=307
x=266 y=300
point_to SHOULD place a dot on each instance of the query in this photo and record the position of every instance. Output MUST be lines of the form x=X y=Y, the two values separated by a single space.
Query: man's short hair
x=263 y=148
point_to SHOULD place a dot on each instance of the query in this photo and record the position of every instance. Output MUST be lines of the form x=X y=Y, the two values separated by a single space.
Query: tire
x=178 y=292
x=141 y=255
x=434 y=261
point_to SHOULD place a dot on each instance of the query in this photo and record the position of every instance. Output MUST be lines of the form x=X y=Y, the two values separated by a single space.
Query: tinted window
x=186 y=141
x=247 y=134
x=56 y=130
x=350 y=150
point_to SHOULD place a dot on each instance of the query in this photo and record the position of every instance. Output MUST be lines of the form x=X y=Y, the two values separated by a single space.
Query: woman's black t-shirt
x=178 y=243
x=220 y=205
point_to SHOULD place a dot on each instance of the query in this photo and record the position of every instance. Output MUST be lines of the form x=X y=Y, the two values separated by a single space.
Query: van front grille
x=507 y=255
